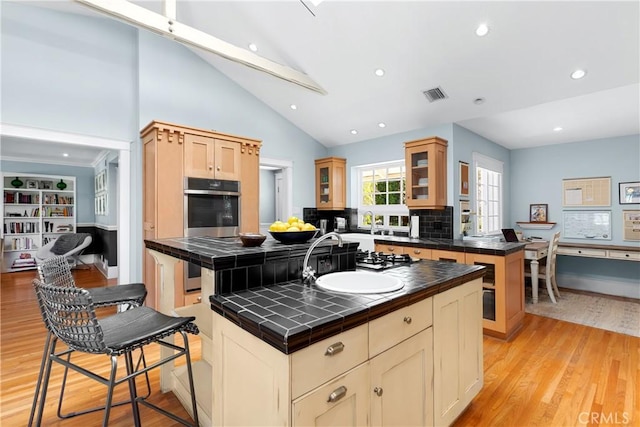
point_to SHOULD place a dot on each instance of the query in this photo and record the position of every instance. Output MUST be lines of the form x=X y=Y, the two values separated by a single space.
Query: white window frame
x=378 y=210
x=494 y=165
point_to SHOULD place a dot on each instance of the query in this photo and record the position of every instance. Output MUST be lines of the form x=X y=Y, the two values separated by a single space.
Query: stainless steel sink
x=359 y=282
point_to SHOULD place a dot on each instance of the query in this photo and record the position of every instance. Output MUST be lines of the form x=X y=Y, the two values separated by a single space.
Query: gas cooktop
x=381 y=261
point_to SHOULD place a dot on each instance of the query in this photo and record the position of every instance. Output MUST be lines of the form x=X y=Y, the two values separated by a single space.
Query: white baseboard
x=602 y=285
x=107 y=271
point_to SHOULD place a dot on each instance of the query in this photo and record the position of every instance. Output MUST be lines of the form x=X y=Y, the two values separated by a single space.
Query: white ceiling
x=521 y=68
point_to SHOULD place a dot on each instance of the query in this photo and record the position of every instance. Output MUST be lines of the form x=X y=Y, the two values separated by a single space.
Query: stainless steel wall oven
x=211 y=208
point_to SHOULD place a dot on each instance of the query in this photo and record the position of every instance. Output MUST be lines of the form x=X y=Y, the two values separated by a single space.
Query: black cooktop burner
x=380 y=260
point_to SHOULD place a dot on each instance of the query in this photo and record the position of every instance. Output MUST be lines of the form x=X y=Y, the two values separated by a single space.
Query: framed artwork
x=464 y=179
x=46 y=185
x=629 y=193
x=538 y=213
x=31 y=183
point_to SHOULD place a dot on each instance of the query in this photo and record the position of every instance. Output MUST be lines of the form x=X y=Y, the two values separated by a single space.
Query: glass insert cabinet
x=426 y=166
x=331 y=188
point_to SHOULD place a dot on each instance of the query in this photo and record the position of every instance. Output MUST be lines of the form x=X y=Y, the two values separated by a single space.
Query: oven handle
x=212 y=192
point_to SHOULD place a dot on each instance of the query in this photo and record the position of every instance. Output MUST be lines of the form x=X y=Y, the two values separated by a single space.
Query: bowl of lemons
x=292 y=231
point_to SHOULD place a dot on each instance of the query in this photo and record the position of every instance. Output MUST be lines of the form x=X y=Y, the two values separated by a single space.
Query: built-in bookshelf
x=36 y=209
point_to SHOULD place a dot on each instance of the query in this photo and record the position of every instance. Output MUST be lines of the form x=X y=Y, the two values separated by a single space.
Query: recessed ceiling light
x=382 y=125
x=65 y=154
x=354 y=132
x=482 y=30
x=379 y=72
x=293 y=106
x=578 y=74
x=253 y=47
x=557 y=129
x=478 y=101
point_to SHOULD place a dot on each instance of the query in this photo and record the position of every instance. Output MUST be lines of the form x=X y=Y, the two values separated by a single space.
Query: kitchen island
x=286 y=353
x=503 y=284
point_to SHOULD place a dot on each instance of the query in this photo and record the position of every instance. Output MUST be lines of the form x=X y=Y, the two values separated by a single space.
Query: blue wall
x=267 y=196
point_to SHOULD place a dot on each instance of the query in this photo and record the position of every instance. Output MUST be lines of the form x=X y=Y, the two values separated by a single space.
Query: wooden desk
x=534 y=252
x=627 y=253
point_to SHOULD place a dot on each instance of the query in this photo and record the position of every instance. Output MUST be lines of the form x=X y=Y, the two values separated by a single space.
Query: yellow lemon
x=293 y=229
x=308 y=227
x=292 y=219
x=274 y=227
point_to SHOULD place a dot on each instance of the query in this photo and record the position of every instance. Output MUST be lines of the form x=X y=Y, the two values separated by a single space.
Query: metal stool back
x=56 y=271
x=69 y=313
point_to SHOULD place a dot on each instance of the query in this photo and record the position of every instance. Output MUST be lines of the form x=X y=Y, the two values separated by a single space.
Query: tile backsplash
x=434 y=224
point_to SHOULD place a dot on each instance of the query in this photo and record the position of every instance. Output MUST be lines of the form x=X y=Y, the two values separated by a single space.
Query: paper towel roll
x=414 y=228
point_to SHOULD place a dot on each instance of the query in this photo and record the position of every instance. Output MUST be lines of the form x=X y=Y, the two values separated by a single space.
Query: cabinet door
x=198 y=156
x=419 y=253
x=331 y=190
x=401 y=383
x=226 y=159
x=426 y=172
x=457 y=349
x=341 y=402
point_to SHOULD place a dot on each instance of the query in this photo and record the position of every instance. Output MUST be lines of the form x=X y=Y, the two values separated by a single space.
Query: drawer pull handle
x=579 y=252
x=627 y=255
x=416 y=251
x=337 y=394
x=334 y=349
x=391 y=249
x=378 y=391
x=198 y=300
x=407 y=320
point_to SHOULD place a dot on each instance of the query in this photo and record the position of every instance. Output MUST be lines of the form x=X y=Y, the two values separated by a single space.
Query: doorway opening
x=276 y=188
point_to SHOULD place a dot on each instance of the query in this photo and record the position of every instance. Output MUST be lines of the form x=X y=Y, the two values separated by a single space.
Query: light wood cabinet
x=162 y=196
x=457 y=350
x=208 y=157
x=426 y=173
x=503 y=292
x=331 y=183
x=171 y=152
x=419 y=253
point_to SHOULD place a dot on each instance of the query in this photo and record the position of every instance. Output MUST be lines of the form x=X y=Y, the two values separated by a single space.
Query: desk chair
x=548 y=273
x=56 y=271
x=69 y=245
x=69 y=313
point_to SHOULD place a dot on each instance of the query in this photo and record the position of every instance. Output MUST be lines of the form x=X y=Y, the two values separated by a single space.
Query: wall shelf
x=536 y=225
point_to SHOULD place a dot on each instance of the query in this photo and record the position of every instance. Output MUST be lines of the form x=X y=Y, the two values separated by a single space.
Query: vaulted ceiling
x=520 y=69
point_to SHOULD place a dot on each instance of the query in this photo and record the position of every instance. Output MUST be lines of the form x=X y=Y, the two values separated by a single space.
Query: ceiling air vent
x=435 y=94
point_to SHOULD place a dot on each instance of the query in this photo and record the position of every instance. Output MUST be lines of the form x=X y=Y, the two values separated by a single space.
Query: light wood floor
x=553 y=373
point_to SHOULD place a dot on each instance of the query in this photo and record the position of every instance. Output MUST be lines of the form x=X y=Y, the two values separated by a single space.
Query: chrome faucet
x=308 y=273
x=373 y=221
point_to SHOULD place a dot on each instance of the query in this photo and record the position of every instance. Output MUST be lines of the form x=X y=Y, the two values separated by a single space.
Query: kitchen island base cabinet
x=457 y=350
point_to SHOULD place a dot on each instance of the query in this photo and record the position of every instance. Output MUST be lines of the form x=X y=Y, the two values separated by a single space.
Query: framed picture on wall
x=629 y=192
x=538 y=213
x=46 y=185
x=464 y=178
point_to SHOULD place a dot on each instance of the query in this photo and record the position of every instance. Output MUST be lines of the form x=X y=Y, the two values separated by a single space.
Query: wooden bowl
x=252 y=239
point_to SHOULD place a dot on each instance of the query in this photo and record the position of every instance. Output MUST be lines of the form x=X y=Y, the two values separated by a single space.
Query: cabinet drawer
x=418 y=252
x=389 y=249
x=598 y=253
x=192 y=298
x=389 y=330
x=631 y=256
x=327 y=359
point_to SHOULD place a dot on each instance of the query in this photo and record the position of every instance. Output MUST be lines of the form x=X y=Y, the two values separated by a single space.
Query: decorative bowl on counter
x=252 y=239
x=289 y=237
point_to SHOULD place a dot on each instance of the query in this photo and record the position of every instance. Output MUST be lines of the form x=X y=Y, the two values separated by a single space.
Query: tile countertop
x=470 y=246
x=216 y=253
x=292 y=316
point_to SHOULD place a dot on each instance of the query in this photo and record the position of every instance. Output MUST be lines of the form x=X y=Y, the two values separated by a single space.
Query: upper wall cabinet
x=426 y=168
x=207 y=157
x=331 y=185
